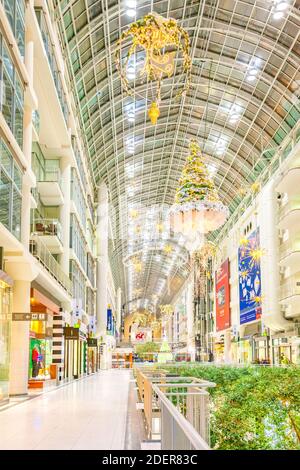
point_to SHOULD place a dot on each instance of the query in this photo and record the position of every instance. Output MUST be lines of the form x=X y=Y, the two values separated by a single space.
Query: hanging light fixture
x=198 y=209
x=154 y=43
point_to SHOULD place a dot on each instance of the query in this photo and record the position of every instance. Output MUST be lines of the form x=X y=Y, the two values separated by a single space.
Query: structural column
x=58 y=343
x=19 y=356
x=119 y=310
x=267 y=222
x=65 y=213
x=102 y=260
x=190 y=319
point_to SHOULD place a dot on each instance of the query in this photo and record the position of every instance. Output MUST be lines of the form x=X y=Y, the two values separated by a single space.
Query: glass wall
x=52 y=62
x=15 y=12
x=90 y=302
x=10 y=190
x=5 y=324
x=77 y=242
x=77 y=197
x=78 y=281
x=11 y=94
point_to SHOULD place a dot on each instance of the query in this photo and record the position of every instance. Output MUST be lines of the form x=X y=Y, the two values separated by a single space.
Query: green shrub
x=252 y=407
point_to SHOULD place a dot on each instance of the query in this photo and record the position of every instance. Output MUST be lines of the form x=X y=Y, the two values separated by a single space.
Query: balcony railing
x=289 y=247
x=52 y=175
x=41 y=252
x=47 y=227
x=288 y=207
x=291 y=287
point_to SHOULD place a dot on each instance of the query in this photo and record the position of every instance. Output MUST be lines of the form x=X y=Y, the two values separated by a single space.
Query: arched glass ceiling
x=243 y=101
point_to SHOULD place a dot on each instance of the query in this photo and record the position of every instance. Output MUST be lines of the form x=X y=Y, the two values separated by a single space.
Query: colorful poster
x=249 y=256
x=222 y=297
x=109 y=320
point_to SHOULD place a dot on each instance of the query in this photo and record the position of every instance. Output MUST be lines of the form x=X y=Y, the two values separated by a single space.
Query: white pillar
x=190 y=318
x=65 y=213
x=102 y=260
x=269 y=241
x=119 y=310
x=19 y=356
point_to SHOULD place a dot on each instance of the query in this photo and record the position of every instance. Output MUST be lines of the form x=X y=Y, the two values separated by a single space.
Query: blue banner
x=109 y=324
x=249 y=255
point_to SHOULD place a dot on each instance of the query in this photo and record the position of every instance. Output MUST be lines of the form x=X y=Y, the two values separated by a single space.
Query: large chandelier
x=197 y=209
x=154 y=43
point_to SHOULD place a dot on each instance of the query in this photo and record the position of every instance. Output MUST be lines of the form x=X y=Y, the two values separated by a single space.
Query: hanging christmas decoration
x=197 y=209
x=157 y=41
x=166 y=310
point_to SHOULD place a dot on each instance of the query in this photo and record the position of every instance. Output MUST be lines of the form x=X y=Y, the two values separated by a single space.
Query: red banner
x=222 y=297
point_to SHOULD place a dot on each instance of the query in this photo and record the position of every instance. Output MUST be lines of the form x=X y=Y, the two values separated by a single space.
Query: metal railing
x=50 y=227
x=291 y=287
x=288 y=207
x=288 y=247
x=52 y=175
x=167 y=396
x=41 y=252
x=177 y=432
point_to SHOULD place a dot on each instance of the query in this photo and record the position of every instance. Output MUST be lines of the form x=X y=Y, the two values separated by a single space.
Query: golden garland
x=153 y=34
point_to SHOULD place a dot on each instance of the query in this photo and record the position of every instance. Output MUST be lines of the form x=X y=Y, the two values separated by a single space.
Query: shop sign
x=30 y=316
x=71 y=333
x=92 y=342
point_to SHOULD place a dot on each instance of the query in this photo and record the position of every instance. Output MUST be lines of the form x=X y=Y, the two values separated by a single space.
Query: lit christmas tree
x=195 y=183
x=165 y=353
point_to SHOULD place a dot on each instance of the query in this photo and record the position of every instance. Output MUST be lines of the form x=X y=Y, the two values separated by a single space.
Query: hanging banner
x=222 y=297
x=109 y=324
x=250 y=278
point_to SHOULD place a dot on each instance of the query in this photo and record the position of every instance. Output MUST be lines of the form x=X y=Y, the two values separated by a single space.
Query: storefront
x=41 y=367
x=285 y=349
x=5 y=328
x=122 y=358
x=75 y=352
x=261 y=350
x=92 y=351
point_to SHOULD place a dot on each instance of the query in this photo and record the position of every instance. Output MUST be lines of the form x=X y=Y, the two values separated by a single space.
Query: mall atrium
x=149 y=224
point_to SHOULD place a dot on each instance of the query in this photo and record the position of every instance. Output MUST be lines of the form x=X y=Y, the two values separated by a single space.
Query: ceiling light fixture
x=130 y=12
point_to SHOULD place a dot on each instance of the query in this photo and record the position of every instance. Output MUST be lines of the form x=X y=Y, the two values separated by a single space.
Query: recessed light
x=131 y=12
x=251 y=78
x=282 y=6
x=253 y=72
x=278 y=15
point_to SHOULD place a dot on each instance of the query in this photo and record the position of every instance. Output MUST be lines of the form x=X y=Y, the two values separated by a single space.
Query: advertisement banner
x=250 y=278
x=222 y=297
x=109 y=324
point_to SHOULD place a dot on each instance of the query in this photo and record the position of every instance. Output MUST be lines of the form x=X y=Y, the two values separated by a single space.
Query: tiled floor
x=86 y=414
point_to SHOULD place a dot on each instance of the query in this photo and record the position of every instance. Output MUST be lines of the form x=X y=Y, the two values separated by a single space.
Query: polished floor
x=91 y=413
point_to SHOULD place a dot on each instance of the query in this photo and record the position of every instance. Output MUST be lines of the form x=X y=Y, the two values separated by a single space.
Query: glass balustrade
x=47 y=227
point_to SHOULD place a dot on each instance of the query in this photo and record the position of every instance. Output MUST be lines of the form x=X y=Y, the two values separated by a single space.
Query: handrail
x=196 y=441
x=39 y=250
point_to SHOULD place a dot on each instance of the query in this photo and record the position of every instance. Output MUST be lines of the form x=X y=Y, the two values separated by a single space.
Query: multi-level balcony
x=290 y=182
x=49 y=187
x=51 y=233
x=289 y=215
x=40 y=251
x=290 y=295
x=289 y=254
